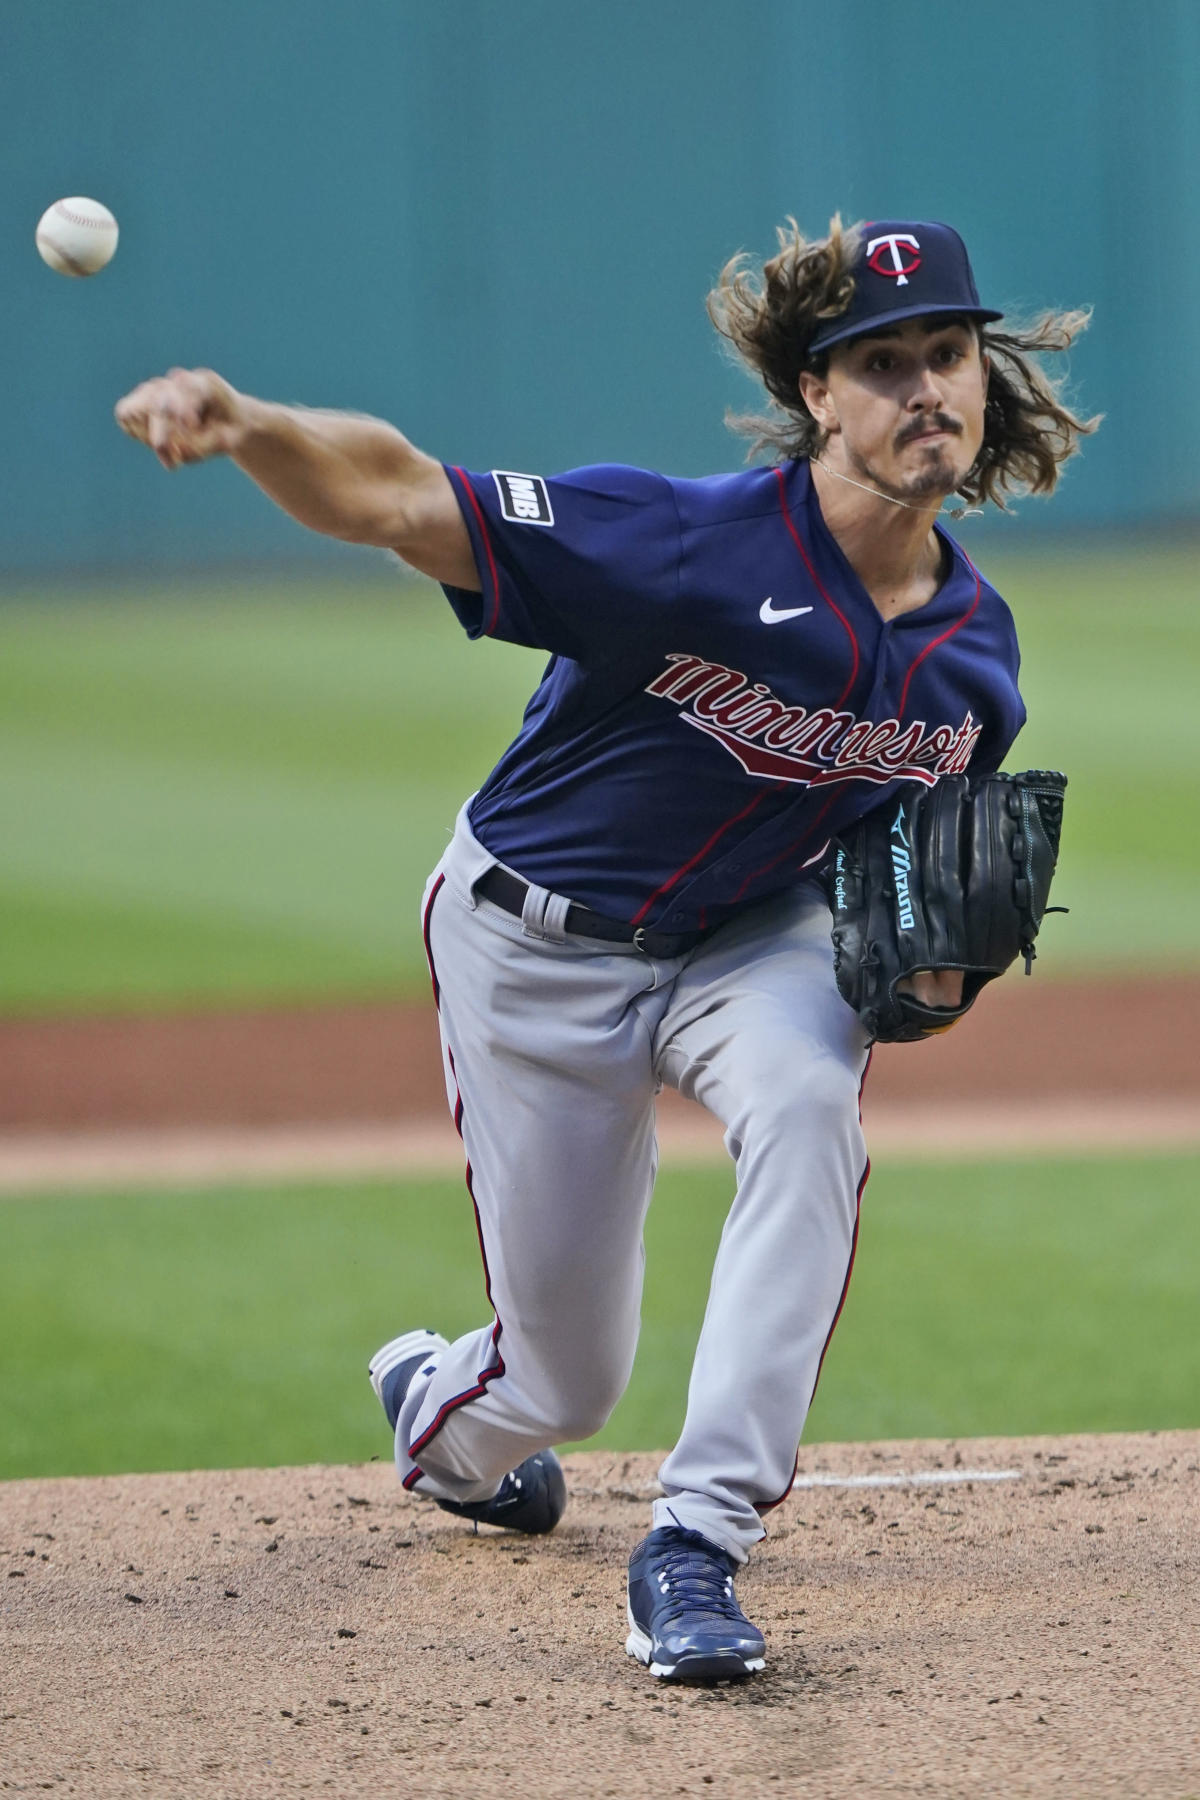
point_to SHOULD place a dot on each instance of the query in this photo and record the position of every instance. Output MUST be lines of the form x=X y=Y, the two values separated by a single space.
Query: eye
x=881 y=361
x=948 y=354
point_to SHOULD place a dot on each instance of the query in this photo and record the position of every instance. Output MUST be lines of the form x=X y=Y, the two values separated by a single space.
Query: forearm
x=343 y=474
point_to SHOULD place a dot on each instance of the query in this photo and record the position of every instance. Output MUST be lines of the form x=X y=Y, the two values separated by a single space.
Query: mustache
x=939 y=420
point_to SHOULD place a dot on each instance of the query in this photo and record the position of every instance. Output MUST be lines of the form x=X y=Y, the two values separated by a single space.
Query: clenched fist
x=185 y=416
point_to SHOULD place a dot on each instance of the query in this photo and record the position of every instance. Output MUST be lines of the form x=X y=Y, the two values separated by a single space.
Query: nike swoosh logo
x=771 y=615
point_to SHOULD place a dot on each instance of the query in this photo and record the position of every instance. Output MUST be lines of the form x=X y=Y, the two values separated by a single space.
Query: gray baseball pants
x=554 y=1048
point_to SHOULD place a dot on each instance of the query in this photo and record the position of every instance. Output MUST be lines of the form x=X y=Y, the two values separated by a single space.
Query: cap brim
x=867 y=327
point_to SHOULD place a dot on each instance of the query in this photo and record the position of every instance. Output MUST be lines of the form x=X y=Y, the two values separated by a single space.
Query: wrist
x=255 y=423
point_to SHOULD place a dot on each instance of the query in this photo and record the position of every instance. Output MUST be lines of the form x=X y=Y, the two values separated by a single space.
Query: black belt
x=508 y=892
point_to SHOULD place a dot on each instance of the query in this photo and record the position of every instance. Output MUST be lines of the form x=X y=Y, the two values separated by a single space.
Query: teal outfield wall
x=495 y=224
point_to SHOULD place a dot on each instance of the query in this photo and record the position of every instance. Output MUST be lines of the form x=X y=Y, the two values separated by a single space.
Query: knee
x=828 y=1092
x=819 y=1096
x=578 y=1399
x=581 y=1418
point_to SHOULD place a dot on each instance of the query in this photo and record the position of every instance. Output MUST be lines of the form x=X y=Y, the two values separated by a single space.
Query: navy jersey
x=722 y=694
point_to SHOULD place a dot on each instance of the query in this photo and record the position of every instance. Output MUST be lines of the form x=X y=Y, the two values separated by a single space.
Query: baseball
x=76 y=236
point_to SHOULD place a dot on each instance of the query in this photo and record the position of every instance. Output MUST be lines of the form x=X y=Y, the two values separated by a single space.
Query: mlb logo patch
x=523 y=498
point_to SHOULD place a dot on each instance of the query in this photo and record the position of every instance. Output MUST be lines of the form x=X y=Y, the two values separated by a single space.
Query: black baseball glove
x=953 y=876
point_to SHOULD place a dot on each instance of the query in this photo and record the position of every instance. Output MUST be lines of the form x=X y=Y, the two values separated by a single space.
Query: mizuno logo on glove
x=902 y=863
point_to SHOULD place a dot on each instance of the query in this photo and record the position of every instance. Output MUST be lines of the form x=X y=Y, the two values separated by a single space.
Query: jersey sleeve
x=577 y=564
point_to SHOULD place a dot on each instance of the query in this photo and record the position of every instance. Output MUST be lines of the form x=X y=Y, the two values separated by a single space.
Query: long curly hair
x=771 y=315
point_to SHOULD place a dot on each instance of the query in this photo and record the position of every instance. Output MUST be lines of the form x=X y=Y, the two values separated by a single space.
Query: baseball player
x=740 y=666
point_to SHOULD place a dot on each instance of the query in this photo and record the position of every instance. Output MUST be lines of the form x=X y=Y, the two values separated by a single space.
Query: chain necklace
x=955 y=512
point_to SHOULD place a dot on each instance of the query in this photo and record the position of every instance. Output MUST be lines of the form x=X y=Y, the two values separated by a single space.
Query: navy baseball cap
x=905 y=268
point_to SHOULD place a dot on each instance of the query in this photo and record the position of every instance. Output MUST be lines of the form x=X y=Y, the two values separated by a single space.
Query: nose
x=926 y=395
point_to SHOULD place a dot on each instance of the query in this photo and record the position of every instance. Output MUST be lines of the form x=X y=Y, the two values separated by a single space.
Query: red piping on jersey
x=769 y=1505
x=796 y=844
x=929 y=648
x=782 y=857
x=804 y=557
x=737 y=818
x=490 y=627
x=703 y=851
x=488 y=1374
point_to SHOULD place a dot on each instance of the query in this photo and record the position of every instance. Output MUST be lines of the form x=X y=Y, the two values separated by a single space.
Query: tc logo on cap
x=887 y=256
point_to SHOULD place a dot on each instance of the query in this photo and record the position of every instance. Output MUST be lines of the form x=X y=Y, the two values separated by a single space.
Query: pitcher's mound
x=988 y=1617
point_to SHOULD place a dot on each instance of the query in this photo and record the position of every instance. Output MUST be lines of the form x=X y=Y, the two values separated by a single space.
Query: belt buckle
x=639 y=940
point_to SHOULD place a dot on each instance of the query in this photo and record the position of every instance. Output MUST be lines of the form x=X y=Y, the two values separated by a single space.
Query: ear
x=814 y=391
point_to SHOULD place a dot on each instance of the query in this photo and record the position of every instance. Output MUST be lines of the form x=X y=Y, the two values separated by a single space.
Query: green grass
x=211 y=797
x=232 y=1328
x=1111 y=660
x=214 y=799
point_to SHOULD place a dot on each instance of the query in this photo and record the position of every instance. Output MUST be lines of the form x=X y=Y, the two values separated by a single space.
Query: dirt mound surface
x=988 y=1617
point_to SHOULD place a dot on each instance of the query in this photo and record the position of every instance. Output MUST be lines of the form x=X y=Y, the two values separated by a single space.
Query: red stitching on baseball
x=109 y=224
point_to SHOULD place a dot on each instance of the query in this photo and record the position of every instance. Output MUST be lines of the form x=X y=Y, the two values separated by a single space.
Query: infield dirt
x=315 y=1630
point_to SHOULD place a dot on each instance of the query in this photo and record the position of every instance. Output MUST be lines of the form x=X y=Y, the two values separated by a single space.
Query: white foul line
x=921 y=1478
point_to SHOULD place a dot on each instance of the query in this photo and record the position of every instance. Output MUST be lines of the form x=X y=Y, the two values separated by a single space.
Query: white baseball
x=76 y=236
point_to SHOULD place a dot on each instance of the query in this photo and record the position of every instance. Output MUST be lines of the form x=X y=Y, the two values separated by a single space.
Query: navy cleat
x=684 y=1622
x=392 y=1368
x=532 y=1497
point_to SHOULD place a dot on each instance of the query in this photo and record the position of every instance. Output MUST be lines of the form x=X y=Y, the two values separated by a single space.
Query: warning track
x=1038 y=1068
